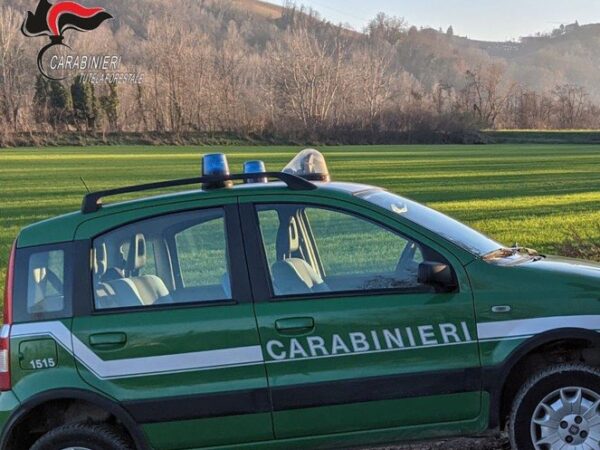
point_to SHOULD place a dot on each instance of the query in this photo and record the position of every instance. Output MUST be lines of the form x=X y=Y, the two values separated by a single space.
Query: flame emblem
x=53 y=20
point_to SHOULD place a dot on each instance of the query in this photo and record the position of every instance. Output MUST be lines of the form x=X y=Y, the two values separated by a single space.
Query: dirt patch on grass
x=487 y=443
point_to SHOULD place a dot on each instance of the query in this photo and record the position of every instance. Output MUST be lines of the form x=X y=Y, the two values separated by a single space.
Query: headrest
x=294 y=237
x=39 y=275
x=100 y=259
x=38 y=265
x=137 y=253
x=288 y=239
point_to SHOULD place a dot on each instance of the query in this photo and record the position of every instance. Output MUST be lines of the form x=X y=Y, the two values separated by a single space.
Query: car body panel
x=138 y=369
x=372 y=437
x=31 y=380
x=367 y=371
x=178 y=360
x=565 y=296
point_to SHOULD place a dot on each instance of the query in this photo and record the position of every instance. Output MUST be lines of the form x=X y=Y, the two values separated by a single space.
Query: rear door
x=170 y=330
x=352 y=340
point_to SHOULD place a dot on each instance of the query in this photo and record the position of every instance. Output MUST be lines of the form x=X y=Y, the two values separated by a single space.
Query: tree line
x=295 y=79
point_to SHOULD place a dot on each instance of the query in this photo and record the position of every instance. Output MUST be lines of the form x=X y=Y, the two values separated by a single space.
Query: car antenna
x=85 y=185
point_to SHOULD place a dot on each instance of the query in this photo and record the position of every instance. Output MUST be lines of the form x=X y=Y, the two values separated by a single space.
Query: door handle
x=295 y=325
x=108 y=340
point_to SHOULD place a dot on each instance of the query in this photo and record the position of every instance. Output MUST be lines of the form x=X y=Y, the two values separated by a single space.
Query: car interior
x=304 y=248
x=45 y=291
x=125 y=284
x=146 y=264
x=292 y=273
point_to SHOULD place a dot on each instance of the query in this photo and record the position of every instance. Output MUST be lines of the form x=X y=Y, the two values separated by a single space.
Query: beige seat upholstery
x=151 y=289
x=112 y=289
x=117 y=293
x=292 y=274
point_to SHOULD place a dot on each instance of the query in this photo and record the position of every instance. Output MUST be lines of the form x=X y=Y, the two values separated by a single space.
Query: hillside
x=249 y=68
x=570 y=56
x=263 y=9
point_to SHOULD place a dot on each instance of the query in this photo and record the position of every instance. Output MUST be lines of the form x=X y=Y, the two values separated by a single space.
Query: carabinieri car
x=295 y=314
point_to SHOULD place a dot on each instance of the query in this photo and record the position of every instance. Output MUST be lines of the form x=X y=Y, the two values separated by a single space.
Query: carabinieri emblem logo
x=53 y=20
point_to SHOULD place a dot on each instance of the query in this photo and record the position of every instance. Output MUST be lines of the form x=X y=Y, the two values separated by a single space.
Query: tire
x=82 y=436
x=568 y=421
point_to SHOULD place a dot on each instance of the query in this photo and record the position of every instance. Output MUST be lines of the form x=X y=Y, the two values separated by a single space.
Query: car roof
x=63 y=228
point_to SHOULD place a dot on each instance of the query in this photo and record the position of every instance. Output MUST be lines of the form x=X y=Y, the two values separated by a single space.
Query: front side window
x=318 y=250
x=174 y=259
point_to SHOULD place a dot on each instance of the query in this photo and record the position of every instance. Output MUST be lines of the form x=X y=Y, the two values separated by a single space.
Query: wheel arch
x=99 y=401
x=498 y=378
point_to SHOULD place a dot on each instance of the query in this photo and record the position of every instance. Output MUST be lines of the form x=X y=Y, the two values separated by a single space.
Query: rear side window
x=173 y=259
x=43 y=282
x=46 y=282
x=202 y=254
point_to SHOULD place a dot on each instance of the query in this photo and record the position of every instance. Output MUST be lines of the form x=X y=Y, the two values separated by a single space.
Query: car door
x=352 y=341
x=171 y=332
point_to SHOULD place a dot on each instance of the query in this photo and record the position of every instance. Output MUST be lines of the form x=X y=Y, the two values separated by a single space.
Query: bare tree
x=231 y=66
x=374 y=75
x=485 y=94
x=528 y=110
x=307 y=76
x=570 y=104
x=14 y=61
x=387 y=28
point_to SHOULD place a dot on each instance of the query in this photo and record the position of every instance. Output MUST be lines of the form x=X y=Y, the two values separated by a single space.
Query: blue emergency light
x=255 y=167
x=216 y=164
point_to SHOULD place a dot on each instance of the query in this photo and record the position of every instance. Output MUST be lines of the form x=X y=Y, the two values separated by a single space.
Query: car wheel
x=558 y=408
x=82 y=437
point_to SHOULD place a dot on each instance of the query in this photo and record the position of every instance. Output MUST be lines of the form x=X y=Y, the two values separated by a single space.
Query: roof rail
x=92 y=202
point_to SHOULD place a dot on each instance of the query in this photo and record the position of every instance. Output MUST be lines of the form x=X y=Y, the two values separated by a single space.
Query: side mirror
x=437 y=274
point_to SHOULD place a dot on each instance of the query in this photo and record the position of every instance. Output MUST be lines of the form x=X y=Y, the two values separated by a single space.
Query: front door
x=352 y=340
x=172 y=334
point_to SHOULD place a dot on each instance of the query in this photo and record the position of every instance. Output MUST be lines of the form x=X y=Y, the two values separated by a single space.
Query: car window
x=173 y=259
x=451 y=229
x=349 y=245
x=46 y=282
x=150 y=266
x=319 y=250
x=202 y=253
x=269 y=225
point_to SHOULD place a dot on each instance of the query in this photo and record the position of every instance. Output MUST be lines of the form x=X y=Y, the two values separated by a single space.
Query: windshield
x=456 y=232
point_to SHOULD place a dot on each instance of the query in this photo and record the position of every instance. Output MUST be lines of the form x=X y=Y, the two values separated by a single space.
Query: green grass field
x=536 y=195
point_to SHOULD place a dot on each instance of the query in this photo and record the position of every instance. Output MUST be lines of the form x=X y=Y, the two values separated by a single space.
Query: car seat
x=112 y=289
x=151 y=288
x=291 y=273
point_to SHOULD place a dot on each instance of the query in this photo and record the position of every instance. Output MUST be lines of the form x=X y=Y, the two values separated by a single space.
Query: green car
x=293 y=314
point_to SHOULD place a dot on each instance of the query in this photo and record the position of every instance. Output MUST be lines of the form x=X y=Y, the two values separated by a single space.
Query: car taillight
x=5 y=384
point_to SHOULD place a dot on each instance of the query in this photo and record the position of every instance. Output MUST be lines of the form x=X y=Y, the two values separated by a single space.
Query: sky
x=491 y=20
